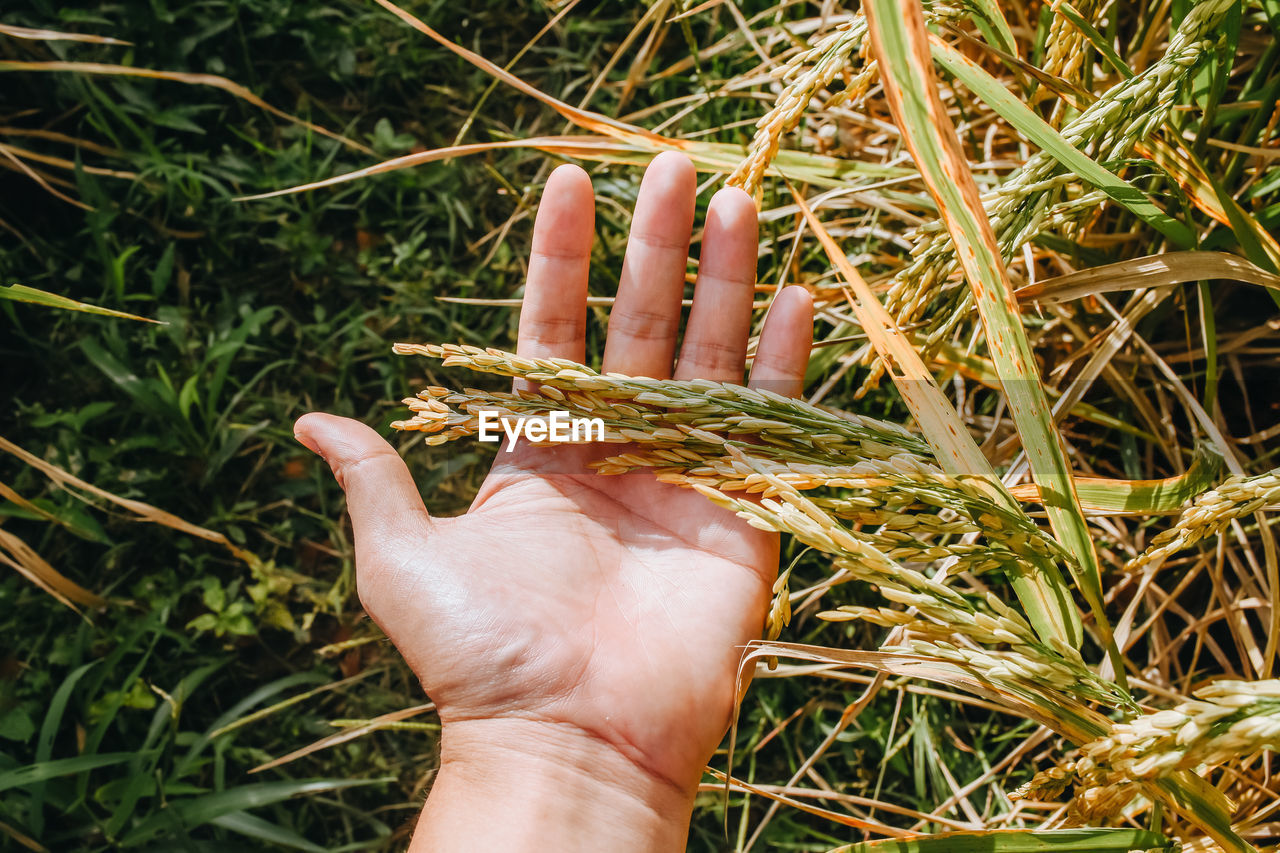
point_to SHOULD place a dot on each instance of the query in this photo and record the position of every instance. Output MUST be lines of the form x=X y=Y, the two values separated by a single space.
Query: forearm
x=525 y=785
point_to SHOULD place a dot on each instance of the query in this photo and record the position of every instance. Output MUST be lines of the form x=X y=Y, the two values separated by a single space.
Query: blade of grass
x=15 y=162
x=582 y=118
x=191 y=79
x=511 y=63
x=900 y=42
x=1210 y=197
x=252 y=826
x=45 y=770
x=1209 y=334
x=233 y=713
x=197 y=811
x=25 y=840
x=990 y=21
x=22 y=558
x=232 y=724
x=63 y=163
x=44 y=742
x=10 y=131
x=144 y=511
x=715 y=157
x=841 y=818
x=72 y=520
x=1200 y=803
x=56 y=35
x=350 y=734
x=22 y=293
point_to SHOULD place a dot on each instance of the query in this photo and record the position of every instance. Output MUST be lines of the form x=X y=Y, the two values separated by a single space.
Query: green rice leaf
x=44 y=744
x=1163 y=270
x=1086 y=840
x=989 y=19
x=1144 y=497
x=632 y=150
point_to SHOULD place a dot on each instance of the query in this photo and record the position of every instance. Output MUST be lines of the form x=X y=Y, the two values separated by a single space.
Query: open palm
x=610 y=607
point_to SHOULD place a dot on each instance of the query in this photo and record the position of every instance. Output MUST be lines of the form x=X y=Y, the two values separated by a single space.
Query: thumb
x=382 y=498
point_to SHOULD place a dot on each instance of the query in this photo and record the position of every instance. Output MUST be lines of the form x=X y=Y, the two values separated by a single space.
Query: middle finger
x=645 y=318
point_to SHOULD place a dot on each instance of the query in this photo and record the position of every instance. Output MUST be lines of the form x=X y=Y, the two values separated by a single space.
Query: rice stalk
x=683 y=433
x=1065 y=52
x=753 y=411
x=1228 y=721
x=804 y=76
x=1023 y=206
x=1210 y=514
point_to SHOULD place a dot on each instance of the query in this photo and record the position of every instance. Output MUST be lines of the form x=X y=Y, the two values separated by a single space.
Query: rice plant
x=969 y=578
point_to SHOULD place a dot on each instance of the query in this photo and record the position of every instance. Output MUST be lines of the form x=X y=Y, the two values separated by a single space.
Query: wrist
x=535 y=785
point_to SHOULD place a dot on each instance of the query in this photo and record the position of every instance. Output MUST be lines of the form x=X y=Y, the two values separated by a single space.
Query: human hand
x=580 y=634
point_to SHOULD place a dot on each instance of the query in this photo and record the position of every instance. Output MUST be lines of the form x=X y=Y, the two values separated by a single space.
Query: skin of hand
x=580 y=634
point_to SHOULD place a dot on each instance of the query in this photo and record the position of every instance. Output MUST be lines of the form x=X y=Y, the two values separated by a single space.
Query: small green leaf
x=215 y=598
x=16 y=724
x=203 y=622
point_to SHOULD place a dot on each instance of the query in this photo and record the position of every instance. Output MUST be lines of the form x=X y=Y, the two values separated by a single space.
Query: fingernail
x=308 y=443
